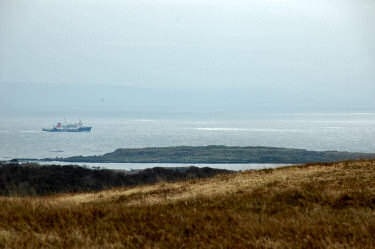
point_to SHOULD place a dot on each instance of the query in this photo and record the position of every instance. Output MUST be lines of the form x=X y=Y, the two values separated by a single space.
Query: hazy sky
x=190 y=43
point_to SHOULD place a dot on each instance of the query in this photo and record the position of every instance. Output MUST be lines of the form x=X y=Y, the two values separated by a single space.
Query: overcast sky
x=190 y=43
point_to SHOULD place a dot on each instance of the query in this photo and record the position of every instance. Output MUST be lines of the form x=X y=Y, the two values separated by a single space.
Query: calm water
x=23 y=138
x=139 y=166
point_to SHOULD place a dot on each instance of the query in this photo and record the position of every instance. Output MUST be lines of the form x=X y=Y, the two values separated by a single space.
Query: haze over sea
x=23 y=137
x=190 y=72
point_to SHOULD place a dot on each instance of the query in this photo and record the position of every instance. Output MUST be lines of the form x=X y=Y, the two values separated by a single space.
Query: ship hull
x=80 y=129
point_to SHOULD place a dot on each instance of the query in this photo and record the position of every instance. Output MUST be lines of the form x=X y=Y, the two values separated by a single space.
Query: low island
x=217 y=154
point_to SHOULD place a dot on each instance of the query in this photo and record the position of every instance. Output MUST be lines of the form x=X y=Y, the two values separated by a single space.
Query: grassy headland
x=31 y=179
x=217 y=154
x=322 y=205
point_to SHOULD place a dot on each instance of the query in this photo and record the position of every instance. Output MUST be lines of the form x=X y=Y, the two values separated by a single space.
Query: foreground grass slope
x=320 y=205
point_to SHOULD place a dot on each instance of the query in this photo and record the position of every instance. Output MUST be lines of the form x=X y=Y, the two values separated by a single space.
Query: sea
x=22 y=137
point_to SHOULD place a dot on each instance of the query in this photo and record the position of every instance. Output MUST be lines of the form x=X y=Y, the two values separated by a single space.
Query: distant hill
x=217 y=154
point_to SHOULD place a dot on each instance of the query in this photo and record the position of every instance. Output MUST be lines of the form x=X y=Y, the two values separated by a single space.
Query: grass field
x=322 y=205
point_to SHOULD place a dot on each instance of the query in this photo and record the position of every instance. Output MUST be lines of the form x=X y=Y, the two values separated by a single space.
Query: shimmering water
x=23 y=137
x=140 y=166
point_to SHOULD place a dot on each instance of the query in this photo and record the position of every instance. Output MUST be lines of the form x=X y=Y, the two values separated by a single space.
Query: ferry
x=76 y=127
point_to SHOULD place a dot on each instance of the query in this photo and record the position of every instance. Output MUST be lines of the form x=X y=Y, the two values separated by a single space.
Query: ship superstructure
x=76 y=127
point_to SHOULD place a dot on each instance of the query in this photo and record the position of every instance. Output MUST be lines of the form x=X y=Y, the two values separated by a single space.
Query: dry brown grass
x=308 y=206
